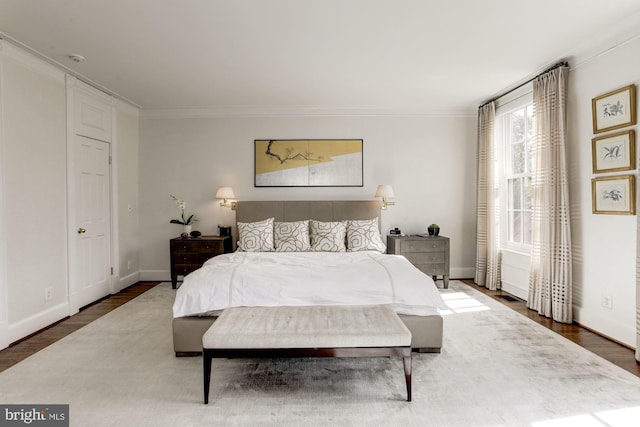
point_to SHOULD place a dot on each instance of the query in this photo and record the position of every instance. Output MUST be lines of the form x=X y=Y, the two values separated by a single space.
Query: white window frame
x=506 y=105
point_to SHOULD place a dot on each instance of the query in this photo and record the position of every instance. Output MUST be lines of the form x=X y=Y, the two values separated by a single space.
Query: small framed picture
x=614 y=195
x=614 y=110
x=613 y=153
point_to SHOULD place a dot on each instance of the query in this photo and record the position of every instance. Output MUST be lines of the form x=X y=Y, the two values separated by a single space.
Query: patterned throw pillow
x=364 y=236
x=256 y=236
x=292 y=236
x=328 y=236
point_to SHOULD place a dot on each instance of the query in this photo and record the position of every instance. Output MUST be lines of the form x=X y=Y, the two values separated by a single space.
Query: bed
x=247 y=278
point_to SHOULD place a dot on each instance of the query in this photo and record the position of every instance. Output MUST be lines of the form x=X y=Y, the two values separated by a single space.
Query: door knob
x=81 y=230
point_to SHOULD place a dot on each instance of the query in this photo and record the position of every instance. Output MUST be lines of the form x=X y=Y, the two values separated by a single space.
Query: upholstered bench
x=316 y=331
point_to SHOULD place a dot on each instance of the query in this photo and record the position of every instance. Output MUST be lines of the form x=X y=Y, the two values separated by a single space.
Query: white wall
x=33 y=193
x=125 y=154
x=604 y=246
x=34 y=187
x=430 y=161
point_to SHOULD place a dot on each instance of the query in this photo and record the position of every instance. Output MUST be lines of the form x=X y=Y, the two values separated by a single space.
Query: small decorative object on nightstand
x=188 y=254
x=429 y=254
x=433 y=230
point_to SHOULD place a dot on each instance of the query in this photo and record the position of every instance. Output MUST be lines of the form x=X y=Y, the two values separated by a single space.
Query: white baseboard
x=515 y=290
x=625 y=334
x=155 y=275
x=4 y=334
x=462 y=273
x=127 y=281
x=36 y=322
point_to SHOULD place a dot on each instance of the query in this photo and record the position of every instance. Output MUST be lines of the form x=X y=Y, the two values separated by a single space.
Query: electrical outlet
x=129 y=208
x=607 y=301
x=48 y=294
x=128 y=265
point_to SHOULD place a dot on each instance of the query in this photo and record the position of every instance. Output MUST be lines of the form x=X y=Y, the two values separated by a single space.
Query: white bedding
x=307 y=278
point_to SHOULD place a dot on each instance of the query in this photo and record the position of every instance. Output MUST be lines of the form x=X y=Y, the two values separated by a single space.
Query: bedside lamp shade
x=226 y=193
x=386 y=192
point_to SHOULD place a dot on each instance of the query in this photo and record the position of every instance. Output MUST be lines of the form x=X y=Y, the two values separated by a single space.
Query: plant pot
x=433 y=231
x=187 y=228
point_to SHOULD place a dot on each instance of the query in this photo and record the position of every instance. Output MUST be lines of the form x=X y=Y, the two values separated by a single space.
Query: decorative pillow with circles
x=292 y=236
x=363 y=235
x=256 y=236
x=328 y=236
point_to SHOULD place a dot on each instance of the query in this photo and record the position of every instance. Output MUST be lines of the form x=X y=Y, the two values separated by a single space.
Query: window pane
x=526 y=194
x=529 y=122
x=527 y=227
x=517 y=157
x=517 y=125
x=515 y=193
x=515 y=226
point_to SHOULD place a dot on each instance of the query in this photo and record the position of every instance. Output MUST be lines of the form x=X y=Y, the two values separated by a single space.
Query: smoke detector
x=76 y=58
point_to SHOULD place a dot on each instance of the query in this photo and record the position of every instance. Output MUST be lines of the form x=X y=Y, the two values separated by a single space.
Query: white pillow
x=292 y=236
x=256 y=236
x=328 y=236
x=363 y=235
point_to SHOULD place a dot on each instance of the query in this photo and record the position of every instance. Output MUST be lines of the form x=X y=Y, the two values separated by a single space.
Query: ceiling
x=411 y=56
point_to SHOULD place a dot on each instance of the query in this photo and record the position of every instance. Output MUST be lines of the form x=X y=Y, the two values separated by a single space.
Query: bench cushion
x=307 y=327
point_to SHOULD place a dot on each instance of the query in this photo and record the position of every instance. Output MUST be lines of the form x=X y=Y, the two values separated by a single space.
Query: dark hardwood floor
x=612 y=351
x=607 y=349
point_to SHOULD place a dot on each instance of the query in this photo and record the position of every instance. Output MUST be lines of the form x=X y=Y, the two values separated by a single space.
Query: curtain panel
x=487 y=272
x=550 y=286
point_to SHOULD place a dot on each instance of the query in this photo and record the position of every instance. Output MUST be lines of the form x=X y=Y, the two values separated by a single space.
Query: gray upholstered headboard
x=298 y=210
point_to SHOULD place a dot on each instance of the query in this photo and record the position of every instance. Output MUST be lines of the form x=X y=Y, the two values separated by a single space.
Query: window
x=516 y=135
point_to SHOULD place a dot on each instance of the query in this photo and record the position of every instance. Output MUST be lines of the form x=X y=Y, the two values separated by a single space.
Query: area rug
x=497 y=368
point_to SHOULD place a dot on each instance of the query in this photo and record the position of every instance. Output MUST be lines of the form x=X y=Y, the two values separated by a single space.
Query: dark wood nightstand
x=429 y=254
x=189 y=254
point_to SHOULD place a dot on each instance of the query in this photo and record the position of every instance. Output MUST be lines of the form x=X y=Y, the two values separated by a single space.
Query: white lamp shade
x=385 y=191
x=225 y=193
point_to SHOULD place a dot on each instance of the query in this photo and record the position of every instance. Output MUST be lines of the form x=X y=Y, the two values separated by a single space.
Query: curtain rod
x=559 y=64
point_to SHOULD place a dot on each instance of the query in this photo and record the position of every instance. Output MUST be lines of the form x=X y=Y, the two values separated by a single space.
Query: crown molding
x=299 y=111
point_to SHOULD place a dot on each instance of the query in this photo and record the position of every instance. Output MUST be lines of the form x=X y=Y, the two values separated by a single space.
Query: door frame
x=75 y=87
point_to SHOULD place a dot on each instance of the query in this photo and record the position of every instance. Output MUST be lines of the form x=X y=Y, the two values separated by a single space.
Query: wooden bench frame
x=209 y=353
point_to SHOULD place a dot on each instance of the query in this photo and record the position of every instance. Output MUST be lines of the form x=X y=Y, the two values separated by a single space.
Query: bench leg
x=206 y=365
x=406 y=360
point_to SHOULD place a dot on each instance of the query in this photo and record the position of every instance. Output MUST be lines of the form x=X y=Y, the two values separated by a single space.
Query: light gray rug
x=497 y=368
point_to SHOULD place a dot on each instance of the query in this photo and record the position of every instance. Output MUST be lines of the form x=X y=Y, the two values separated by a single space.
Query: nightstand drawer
x=432 y=269
x=184 y=269
x=198 y=247
x=423 y=245
x=425 y=257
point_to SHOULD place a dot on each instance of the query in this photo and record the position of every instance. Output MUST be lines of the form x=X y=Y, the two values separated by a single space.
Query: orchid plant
x=181 y=207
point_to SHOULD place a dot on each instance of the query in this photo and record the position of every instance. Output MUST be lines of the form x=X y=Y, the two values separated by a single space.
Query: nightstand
x=189 y=254
x=428 y=254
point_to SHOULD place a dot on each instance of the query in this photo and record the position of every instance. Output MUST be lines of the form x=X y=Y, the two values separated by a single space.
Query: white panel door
x=90 y=254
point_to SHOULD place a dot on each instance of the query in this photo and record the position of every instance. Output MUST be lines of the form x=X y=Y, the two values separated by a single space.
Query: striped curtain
x=550 y=287
x=638 y=289
x=488 y=230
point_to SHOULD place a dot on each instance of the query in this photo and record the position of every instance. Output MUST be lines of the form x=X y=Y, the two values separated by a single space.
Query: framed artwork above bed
x=308 y=162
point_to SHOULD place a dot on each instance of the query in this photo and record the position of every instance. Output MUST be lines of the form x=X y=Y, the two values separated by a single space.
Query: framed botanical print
x=614 y=195
x=614 y=110
x=614 y=152
x=308 y=163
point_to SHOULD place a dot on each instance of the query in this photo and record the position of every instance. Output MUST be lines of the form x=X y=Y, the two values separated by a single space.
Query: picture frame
x=614 y=110
x=308 y=163
x=614 y=195
x=614 y=152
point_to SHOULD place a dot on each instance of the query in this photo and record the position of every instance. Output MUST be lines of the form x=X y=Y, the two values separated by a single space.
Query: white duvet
x=307 y=278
